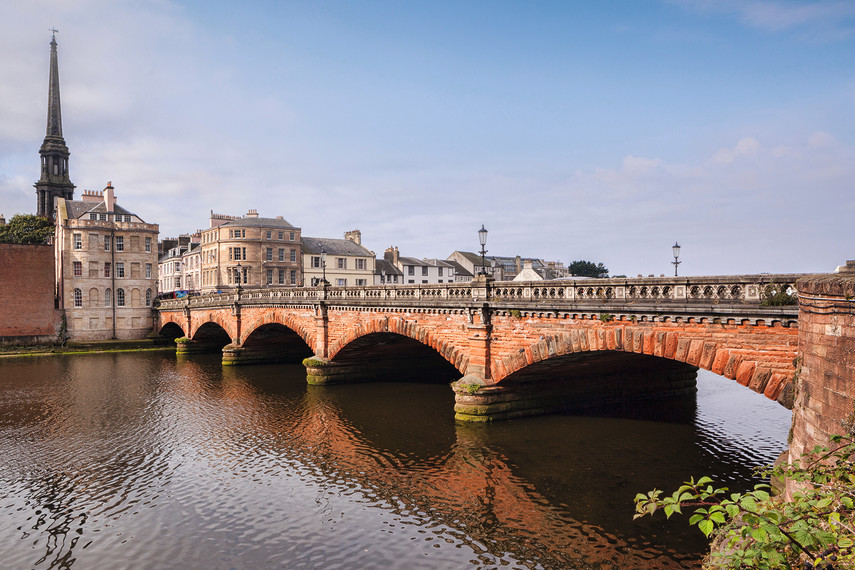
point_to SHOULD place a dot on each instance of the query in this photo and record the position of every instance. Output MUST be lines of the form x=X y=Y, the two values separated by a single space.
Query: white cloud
x=745 y=147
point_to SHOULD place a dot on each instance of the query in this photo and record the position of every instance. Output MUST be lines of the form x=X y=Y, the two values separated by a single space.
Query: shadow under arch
x=171 y=331
x=391 y=357
x=274 y=342
x=604 y=382
x=209 y=337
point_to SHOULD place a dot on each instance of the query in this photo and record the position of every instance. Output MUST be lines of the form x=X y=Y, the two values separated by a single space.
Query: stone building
x=250 y=252
x=106 y=267
x=347 y=262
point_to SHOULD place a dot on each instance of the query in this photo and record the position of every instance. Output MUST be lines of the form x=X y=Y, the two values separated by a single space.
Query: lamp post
x=676 y=250
x=383 y=275
x=482 y=237
x=238 y=272
x=324 y=263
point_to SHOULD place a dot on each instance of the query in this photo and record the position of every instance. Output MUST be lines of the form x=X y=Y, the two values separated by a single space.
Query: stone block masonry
x=825 y=386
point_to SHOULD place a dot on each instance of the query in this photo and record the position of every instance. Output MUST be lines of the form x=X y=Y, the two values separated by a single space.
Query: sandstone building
x=347 y=262
x=106 y=267
x=250 y=252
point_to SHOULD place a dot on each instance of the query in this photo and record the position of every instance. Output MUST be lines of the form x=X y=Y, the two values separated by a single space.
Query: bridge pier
x=479 y=401
x=190 y=346
x=322 y=371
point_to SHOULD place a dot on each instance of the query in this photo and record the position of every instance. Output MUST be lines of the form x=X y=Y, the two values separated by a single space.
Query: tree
x=754 y=530
x=27 y=229
x=588 y=269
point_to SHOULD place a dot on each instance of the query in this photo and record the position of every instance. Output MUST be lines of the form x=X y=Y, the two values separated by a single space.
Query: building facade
x=421 y=271
x=106 y=268
x=250 y=252
x=344 y=262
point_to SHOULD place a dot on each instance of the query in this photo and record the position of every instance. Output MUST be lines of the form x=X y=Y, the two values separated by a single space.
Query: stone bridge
x=512 y=349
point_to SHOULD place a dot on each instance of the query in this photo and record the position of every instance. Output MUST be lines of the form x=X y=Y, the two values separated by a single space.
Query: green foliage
x=778 y=294
x=754 y=530
x=515 y=313
x=26 y=229
x=471 y=388
x=606 y=317
x=588 y=269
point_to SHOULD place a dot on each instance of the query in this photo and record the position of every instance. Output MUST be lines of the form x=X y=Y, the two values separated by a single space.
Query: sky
x=572 y=130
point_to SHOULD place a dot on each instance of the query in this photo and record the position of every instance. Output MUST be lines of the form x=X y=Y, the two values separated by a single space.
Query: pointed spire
x=54 y=118
x=54 y=181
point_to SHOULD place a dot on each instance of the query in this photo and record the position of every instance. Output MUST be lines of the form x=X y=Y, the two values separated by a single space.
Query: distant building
x=386 y=273
x=348 y=262
x=471 y=262
x=249 y=251
x=461 y=274
x=106 y=267
x=504 y=268
x=421 y=271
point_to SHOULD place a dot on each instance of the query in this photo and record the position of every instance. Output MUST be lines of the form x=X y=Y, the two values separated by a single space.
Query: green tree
x=27 y=229
x=754 y=530
x=588 y=269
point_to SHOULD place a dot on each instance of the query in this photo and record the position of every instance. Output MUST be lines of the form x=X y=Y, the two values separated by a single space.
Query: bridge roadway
x=511 y=348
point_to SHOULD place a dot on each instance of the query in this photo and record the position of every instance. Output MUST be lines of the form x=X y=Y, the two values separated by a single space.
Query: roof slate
x=333 y=246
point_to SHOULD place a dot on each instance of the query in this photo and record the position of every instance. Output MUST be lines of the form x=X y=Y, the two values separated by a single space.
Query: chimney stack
x=109 y=198
x=355 y=236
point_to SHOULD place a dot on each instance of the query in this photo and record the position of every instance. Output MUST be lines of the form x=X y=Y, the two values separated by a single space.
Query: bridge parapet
x=645 y=293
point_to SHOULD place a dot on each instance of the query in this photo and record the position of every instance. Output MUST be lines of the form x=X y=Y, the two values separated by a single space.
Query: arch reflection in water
x=141 y=459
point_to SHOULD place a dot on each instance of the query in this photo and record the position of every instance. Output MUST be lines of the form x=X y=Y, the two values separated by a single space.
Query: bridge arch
x=172 y=330
x=765 y=372
x=442 y=345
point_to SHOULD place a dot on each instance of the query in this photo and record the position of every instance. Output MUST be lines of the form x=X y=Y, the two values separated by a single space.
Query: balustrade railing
x=736 y=290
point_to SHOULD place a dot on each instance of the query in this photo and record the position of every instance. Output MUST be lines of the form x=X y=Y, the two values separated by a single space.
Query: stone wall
x=825 y=390
x=27 y=294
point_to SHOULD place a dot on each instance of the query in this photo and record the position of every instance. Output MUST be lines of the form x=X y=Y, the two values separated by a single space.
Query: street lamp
x=382 y=275
x=482 y=237
x=324 y=262
x=238 y=271
x=676 y=250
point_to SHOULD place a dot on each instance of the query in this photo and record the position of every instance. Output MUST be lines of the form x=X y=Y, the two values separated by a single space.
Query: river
x=148 y=460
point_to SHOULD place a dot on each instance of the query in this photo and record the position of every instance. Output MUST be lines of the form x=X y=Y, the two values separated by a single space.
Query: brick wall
x=27 y=292
x=825 y=392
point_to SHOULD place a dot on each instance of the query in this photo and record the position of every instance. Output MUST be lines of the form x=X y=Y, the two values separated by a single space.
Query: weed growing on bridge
x=778 y=294
x=606 y=317
x=754 y=530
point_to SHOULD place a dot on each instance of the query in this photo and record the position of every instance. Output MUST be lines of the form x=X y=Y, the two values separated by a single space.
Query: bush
x=754 y=530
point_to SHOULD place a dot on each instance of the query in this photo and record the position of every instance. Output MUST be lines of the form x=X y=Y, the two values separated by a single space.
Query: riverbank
x=87 y=347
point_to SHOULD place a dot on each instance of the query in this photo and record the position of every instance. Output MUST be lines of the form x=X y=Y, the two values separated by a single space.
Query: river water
x=148 y=460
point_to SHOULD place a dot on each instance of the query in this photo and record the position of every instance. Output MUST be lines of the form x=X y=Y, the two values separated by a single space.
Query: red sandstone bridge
x=512 y=348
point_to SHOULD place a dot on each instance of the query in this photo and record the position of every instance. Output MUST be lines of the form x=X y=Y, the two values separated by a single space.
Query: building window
x=102 y=217
x=360 y=264
x=268 y=234
x=148 y=270
x=293 y=277
x=361 y=283
x=237 y=253
x=78 y=298
x=106 y=243
x=282 y=277
x=107 y=269
x=78 y=269
x=269 y=255
x=316 y=261
x=120 y=297
x=341 y=282
x=281 y=235
x=269 y=275
x=424 y=280
x=120 y=243
x=148 y=245
x=341 y=262
x=148 y=297
x=292 y=236
x=411 y=281
x=439 y=270
x=108 y=297
x=424 y=272
x=281 y=254
x=93 y=216
x=178 y=282
x=120 y=270
x=78 y=241
x=411 y=270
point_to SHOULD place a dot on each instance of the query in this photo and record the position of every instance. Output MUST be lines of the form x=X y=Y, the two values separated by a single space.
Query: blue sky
x=573 y=130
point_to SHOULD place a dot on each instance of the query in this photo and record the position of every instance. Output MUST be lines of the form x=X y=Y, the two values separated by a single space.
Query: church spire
x=54 y=181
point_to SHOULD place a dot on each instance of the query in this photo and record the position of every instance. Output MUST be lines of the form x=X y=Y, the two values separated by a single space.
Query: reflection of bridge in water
x=514 y=348
x=459 y=476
